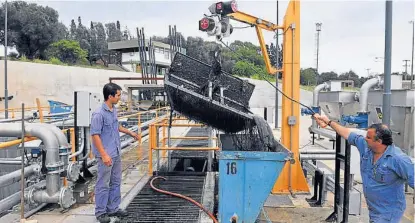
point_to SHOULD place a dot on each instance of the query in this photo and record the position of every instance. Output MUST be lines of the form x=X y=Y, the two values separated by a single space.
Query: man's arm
x=123 y=130
x=404 y=167
x=96 y=130
x=341 y=130
x=346 y=133
x=128 y=132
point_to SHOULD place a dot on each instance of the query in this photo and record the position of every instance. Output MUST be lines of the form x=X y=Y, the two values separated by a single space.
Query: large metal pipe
x=62 y=140
x=40 y=131
x=386 y=107
x=317 y=151
x=51 y=143
x=317 y=89
x=324 y=132
x=12 y=162
x=64 y=146
x=316 y=93
x=364 y=91
x=14 y=199
x=15 y=175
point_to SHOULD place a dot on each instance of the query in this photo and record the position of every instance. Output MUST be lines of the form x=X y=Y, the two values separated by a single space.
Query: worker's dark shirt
x=383 y=181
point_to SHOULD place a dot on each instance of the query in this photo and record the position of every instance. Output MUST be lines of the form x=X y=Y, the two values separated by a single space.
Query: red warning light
x=219 y=6
x=204 y=23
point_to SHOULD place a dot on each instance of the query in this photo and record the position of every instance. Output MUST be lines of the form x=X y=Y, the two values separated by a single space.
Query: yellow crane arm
x=259 y=25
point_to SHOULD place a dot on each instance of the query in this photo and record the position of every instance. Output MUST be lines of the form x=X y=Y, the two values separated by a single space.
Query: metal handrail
x=154 y=139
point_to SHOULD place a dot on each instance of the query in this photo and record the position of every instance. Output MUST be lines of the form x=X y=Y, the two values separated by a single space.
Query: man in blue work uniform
x=107 y=150
x=384 y=169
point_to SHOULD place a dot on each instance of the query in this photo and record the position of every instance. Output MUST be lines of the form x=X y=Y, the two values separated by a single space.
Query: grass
x=311 y=88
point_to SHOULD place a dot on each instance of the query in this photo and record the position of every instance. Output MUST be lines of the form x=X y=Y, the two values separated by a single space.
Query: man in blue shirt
x=107 y=150
x=384 y=169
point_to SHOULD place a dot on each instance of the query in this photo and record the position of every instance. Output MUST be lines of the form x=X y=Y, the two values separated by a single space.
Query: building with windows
x=130 y=57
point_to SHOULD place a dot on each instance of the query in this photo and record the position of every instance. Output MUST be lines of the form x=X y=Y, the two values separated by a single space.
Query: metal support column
x=345 y=158
x=210 y=142
x=386 y=108
x=277 y=58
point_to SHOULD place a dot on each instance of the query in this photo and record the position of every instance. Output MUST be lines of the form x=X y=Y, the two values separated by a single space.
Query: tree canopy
x=36 y=33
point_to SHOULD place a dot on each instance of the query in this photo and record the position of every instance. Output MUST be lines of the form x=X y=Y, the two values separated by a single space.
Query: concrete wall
x=28 y=81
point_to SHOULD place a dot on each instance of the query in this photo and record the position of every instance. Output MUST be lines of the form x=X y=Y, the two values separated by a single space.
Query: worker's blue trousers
x=108 y=187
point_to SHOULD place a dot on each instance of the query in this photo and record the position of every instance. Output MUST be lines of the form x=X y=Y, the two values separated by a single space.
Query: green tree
x=67 y=51
x=31 y=28
x=327 y=76
x=351 y=75
x=308 y=76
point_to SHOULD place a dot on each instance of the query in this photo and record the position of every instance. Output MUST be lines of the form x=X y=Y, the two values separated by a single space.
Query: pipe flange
x=66 y=199
x=29 y=195
x=52 y=165
x=73 y=172
x=63 y=151
x=55 y=168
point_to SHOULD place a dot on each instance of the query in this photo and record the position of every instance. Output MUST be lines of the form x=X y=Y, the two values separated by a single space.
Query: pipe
x=364 y=91
x=58 y=114
x=82 y=147
x=316 y=92
x=51 y=143
x=12 y=162
x=86 y=135
x=317 y=89
x=14 y=199
x=42 y=196
x=10 y=201
x=324 y=132
x=14 y=176
x=34 y=210
x=64 y=146
x=63 y=141
x=37 y=130
x=318 y=157
x=319 y=151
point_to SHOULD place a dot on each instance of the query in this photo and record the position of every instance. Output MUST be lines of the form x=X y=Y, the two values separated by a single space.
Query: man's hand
x=107 y=160
x=321 y=120
x=134 y=135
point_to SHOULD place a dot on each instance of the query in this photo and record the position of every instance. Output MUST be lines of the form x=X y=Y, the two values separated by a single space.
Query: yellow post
x=139 y=149
x=150 y=150
x=291 y=179
x=163 y=141
x=72 y=131
x=39 y=108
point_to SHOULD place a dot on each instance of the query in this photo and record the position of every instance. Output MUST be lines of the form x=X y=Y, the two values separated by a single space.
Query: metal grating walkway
x=152 y=206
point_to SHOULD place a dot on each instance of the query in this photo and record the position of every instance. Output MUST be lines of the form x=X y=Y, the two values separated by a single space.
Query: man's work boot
x=104 y=218
x=119 y=213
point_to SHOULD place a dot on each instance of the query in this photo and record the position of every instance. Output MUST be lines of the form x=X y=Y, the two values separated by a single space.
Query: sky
x=351 y=37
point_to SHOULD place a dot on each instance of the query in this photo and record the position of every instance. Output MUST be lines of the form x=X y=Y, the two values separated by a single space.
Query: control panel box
x=86 y=103
x=335 y=85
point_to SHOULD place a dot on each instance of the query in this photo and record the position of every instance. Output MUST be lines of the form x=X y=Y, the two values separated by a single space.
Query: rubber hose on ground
x=183 y=197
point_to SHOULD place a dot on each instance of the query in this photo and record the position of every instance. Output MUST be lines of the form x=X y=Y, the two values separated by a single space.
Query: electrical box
x=86 y=103
x=335 y=85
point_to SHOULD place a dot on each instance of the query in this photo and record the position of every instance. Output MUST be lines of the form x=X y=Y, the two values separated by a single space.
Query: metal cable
x=276 y=88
